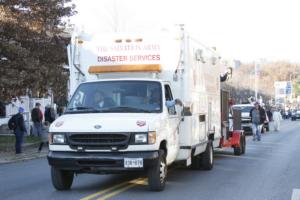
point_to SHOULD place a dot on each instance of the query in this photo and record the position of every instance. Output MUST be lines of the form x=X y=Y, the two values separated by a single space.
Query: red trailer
x=232 y=133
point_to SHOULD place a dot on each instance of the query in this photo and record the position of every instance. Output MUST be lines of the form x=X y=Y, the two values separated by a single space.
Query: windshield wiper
x=126 y=109
x=82 y=108
x=108 y=110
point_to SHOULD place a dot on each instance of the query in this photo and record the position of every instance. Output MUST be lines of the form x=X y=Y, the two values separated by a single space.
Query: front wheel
x=158 y=173
x=196 y=162
x=207 y=157
x=61 y=180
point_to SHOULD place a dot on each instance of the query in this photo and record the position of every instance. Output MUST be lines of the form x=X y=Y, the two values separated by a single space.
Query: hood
x=106 y=122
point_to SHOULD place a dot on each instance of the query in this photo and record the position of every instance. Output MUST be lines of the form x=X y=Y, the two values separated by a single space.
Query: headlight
x=58 y=138
x=152 y=137
x=144 y=138
x=140 y=138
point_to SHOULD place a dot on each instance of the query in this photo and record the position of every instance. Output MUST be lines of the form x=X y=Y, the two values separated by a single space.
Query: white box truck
x=139 y=102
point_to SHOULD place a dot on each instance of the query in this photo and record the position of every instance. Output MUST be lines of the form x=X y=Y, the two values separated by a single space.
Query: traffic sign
x=288 y=89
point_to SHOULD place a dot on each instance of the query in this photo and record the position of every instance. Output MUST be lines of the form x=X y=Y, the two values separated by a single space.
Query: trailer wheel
x=207 y=157
x=196 y=162
x=158 y=173
x=61 y=180
x=239 y=150
x=244 y=144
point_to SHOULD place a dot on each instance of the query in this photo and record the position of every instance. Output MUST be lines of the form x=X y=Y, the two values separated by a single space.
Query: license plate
x=133 y=162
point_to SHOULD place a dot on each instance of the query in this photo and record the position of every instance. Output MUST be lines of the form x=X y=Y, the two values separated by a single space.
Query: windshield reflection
x=117 y=97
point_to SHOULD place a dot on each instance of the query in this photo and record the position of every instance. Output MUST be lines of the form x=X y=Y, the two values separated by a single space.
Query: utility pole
x=256 y=80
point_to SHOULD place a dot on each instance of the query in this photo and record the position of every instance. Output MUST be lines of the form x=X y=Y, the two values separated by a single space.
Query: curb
x=30 y=152
x=22 y=159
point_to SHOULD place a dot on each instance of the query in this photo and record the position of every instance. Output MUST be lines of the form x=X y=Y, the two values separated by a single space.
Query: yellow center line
x=132 y=184
x=92 y=196
x=117 y=189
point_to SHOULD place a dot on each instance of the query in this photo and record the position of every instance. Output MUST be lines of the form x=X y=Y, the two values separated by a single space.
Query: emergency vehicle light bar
x=125 y=68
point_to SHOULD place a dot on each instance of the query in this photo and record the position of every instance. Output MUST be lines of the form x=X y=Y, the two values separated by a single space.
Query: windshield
x=117 y=97
x=243 y=108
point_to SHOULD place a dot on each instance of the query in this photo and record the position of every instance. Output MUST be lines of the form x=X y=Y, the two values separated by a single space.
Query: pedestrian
x=270 y=119
x=60 y=110
x=17 y=123
x=258 y=118
x=2 y=109
x=37 y=119
x=277 y=118
x=44 y=136
x=49 y=114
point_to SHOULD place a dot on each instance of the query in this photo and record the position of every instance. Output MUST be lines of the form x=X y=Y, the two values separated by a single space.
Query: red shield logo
x=59 y=123
x=141 y=123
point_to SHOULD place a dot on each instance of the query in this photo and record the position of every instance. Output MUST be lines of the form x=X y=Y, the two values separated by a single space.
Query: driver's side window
x=169 y=97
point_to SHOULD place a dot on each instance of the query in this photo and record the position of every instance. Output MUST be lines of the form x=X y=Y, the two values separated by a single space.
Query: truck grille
x=99 y=140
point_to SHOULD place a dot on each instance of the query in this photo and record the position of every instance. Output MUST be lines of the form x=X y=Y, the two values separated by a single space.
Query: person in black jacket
x=258 y=118
x=37 y=119
x=19 y=130
x=49 y=114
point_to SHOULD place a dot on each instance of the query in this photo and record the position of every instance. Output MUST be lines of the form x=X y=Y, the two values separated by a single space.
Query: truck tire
x=196 y=162
x=61 y=180
x=158 y=173
x=207 y=157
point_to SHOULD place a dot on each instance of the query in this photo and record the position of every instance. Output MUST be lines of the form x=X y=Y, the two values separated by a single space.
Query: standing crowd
x=40 y=125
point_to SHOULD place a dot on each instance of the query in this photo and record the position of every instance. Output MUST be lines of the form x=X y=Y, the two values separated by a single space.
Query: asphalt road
x=270 y=170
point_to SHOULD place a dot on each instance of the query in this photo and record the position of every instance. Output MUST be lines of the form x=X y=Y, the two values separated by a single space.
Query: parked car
x=245 y=112
x=246 y=120
x=295 y=115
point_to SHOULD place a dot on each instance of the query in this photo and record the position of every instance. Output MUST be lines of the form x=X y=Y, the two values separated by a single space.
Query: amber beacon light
x=125 y=68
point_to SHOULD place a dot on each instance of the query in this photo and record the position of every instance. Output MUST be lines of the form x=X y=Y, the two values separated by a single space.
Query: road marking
x=243 y=157
x=296 y=194
x=132 y=184
x=260 y=145
x=97 y=194
x=272 y=143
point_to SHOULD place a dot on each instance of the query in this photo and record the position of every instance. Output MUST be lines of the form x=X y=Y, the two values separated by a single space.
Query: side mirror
x=172 y=103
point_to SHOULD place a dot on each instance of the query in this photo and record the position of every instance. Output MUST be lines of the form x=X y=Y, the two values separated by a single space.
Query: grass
x=7 y=143
x=11 y=139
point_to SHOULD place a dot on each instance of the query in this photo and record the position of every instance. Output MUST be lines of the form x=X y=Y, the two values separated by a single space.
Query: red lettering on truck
x=112 y=58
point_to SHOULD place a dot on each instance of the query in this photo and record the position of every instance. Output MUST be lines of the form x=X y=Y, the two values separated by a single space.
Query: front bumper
x=99 y=162
x=247 y=127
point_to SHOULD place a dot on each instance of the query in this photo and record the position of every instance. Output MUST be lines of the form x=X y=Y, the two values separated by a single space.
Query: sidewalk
x=30 y=151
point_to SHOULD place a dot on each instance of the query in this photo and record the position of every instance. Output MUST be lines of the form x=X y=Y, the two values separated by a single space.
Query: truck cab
x=133 y=122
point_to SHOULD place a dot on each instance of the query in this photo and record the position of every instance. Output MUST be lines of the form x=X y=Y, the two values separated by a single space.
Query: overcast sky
x=240 y=29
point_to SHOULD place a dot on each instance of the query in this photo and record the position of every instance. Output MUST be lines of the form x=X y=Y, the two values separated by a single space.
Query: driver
x=101 y=101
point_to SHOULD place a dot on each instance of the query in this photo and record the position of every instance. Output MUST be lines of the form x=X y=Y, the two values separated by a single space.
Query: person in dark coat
x=258 y=118
x=2 y=109
x=49 y=114
x=270 y=118
x=37 y=119
x=19 y=130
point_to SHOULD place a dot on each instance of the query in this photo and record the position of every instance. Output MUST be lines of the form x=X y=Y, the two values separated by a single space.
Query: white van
x=143 y=103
